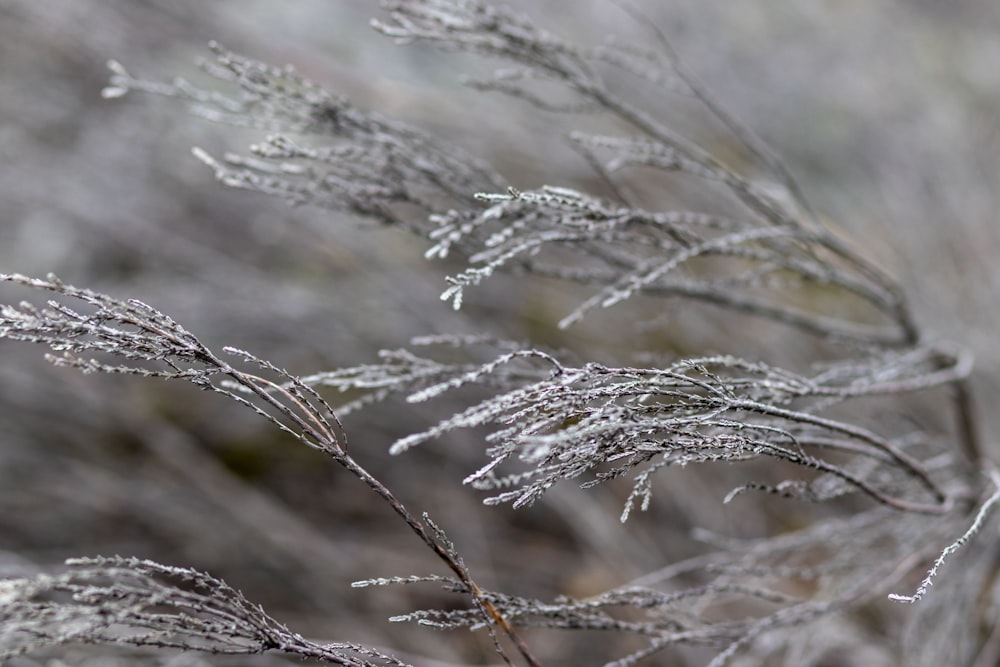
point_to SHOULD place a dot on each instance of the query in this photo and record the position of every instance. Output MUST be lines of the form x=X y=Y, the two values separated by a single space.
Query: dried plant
x=901 y=497
x=141 y=603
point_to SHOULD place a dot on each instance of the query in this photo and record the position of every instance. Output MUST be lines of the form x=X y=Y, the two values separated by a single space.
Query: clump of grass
x=550 y=419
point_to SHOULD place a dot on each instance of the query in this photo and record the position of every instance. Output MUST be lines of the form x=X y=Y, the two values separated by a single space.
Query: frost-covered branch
x=135 y=602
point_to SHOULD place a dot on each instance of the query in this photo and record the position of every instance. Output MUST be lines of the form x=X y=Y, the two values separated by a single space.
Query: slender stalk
x=490 y=610
x=968 y=424
x=905 y=460
x=314 y=427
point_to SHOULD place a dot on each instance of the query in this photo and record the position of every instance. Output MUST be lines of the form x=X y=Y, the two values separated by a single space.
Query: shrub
x=887 y=501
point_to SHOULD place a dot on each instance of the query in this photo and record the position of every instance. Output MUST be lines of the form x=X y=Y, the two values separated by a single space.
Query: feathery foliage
x=900 y=496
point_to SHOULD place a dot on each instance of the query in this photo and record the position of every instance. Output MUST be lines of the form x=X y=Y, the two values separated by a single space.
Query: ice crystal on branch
x=136 y=602
x=323 y=150
x=562 y=422
x=550 y=419
x=130 y=329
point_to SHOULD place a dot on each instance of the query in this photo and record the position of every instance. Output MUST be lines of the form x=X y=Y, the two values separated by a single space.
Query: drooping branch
x=152 y=344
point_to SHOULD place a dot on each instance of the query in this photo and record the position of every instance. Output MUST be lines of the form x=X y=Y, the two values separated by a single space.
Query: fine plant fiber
x=889 y=510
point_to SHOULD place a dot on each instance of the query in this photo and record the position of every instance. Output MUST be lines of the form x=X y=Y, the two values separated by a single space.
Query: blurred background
x=888 y=113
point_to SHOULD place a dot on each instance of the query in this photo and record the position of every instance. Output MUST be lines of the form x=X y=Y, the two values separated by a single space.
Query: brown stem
x=313 y=427
x=968 y=425
x=420 y=529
